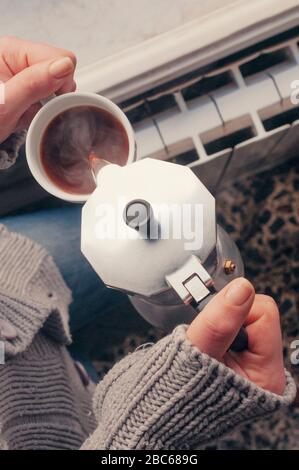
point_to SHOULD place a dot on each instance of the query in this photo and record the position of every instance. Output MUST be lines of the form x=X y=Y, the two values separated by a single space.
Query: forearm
x=171 y=396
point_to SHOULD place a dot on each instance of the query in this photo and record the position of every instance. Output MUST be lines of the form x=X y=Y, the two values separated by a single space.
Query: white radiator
x=221 y=106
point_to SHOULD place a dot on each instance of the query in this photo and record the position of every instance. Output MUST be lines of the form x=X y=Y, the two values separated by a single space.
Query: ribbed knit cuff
x=33 y=294
x=9 y=149
x=172 y=396
x=44 y=404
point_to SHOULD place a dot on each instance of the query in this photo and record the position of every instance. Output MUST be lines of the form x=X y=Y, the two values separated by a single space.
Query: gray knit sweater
x=166 y=396
x=43 y=403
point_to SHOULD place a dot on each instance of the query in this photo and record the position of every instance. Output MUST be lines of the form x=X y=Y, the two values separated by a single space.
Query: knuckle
x=270 y=301
x=5 y=41
x=270 y=307
x=31 y=85
x=266 y=299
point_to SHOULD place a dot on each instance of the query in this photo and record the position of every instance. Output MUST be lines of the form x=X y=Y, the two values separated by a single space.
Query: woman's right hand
x=30 y=72
x=215 y=328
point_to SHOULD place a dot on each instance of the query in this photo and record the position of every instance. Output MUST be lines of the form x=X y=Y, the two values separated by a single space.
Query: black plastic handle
x=240 y=342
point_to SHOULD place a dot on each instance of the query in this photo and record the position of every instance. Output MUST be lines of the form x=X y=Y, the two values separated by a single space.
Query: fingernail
x=61 y=67
x=239 y=291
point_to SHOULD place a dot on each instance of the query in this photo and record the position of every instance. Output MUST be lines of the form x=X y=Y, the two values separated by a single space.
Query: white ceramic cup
x=46 y=114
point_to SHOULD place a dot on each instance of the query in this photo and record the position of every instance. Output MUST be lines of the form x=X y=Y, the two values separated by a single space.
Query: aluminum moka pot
x=149 y=229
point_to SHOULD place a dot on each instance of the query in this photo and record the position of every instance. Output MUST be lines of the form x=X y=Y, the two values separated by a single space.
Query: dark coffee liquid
x=75 y=141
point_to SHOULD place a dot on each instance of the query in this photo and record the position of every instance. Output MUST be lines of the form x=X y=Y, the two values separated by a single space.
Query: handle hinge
x=191 y=282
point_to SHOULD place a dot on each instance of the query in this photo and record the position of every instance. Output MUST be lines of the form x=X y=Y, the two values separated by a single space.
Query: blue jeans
x=58 y=230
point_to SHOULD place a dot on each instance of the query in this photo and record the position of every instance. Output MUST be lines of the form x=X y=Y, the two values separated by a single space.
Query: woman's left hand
x=30 y=72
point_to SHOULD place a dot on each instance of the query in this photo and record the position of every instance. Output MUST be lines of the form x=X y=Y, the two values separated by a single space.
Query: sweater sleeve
x=172 y=396
x=9 y=149
x=44 y=404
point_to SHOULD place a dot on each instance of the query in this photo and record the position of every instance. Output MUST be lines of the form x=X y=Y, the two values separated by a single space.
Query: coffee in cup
x=79 y=140
x=71 y=138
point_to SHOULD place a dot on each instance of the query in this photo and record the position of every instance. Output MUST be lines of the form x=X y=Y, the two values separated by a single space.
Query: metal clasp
x=192 y=282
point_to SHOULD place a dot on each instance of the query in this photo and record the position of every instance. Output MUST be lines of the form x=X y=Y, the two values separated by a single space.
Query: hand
x=215 y=328
x=30 y=72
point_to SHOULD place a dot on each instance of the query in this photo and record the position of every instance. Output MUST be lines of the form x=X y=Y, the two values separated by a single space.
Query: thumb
x=216 y=327
x=34 y=83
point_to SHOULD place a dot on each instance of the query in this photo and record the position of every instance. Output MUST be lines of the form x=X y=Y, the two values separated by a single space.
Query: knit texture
x=9 y=149
x=33 y=294
x=44 y=404
x=172 y=396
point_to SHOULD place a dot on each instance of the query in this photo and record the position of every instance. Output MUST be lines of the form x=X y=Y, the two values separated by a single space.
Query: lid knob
x=138 y=214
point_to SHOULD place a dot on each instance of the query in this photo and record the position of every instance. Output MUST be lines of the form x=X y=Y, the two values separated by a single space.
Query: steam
x=73 y=141
x=78 y=142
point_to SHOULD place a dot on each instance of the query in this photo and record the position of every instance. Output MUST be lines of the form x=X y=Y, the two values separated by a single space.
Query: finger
x=69 y=86
x=263 y=328
x=263 y=360
x=215 y=328
x=19 y=53
x=27 y=117
x=34 y=83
